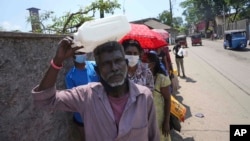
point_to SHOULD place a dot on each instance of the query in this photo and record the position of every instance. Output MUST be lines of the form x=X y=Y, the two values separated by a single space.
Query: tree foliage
x=197 y=10
x=70 y=22
x=206 y=10
x=176 y=22
x=240 y=9
x=165 y=17
x=191 y=13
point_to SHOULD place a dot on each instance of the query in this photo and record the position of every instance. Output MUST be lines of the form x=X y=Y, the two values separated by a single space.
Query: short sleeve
x=164 y=80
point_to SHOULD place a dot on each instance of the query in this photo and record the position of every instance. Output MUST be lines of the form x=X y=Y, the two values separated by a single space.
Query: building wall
x=219 y=20
x=24 y=59
x=242 y=24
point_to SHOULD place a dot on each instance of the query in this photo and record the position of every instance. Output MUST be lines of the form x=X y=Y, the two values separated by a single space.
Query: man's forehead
x=111 y=55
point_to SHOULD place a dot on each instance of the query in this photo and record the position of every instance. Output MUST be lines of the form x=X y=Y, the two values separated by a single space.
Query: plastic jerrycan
x=96 y=32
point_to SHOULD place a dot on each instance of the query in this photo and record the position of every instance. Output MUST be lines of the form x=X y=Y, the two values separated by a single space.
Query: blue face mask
x=80 y=58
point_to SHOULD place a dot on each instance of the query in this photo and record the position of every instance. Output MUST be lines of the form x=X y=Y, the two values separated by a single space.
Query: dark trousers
x=179 y=63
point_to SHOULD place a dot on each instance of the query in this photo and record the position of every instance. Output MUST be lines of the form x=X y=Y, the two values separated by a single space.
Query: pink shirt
x=118 y=105
x=137 y=122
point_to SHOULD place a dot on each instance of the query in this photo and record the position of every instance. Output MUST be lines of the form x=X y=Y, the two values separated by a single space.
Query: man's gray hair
x=109 y=46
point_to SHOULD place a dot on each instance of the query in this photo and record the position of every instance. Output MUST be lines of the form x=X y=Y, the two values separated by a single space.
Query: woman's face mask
x=132 y=60
x=80 y=58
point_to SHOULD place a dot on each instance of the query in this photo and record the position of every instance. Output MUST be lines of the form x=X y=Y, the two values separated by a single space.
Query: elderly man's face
x=113 y=68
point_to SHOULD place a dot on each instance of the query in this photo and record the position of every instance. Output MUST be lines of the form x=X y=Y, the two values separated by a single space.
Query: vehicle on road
x=182 y=39
x=196 y=39
x=235 y=39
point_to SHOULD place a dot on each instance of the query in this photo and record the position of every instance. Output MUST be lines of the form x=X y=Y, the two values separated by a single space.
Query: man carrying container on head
x=114 y=109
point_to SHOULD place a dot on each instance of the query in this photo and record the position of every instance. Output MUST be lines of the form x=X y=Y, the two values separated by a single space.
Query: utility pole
x=171 y=20
x=101 y=9
x=123 y=9
x=171 y=14
x=224 y=19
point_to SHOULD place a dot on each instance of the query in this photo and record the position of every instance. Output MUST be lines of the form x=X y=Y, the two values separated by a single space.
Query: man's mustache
x=114 y=73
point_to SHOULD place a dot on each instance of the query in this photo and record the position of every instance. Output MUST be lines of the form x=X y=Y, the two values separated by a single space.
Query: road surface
x=217 y=86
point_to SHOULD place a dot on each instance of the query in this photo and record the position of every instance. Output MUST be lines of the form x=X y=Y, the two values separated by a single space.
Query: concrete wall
x=24 y=58
x=242 y=24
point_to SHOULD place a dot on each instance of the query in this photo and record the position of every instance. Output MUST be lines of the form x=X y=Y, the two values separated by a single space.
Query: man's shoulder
x=95 y=84
x=91 y=85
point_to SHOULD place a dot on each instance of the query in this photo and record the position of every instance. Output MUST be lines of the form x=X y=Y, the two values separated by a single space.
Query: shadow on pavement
x=188 y=79
x=197 y=45
x=177 y=137
x=188 y=112
x=241 y=50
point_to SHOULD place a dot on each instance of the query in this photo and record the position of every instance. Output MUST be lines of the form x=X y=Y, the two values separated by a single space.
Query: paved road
x=218 y=86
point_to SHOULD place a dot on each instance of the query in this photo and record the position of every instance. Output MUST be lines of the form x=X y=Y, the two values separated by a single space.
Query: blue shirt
x=76 y=77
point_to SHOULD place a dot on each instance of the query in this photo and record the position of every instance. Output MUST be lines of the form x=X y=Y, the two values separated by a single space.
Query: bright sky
x=14 y=14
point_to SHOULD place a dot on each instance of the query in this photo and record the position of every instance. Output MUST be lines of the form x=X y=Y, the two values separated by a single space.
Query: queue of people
x=160 y=82
x=124 y=95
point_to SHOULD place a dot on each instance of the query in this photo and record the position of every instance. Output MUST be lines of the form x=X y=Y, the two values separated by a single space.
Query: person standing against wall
x=81 y=73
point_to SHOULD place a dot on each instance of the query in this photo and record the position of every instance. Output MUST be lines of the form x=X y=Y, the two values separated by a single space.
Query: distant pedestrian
x=215 y=36
x=179 y=59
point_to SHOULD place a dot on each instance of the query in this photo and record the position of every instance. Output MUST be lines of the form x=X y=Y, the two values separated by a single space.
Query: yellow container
x=178 y=109
x=175 y=72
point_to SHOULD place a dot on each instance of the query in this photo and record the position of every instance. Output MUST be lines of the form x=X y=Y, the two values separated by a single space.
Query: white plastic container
x=182 y=52
x=93 y=33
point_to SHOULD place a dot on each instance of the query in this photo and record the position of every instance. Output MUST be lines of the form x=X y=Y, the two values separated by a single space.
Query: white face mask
x=132 y=59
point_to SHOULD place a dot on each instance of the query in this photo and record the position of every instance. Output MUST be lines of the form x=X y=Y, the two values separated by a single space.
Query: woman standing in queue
x=137 y=71
x=161 y=94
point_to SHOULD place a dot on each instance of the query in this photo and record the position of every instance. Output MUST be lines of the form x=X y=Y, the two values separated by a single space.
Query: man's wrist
x=57 y=61
x=56 y=65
